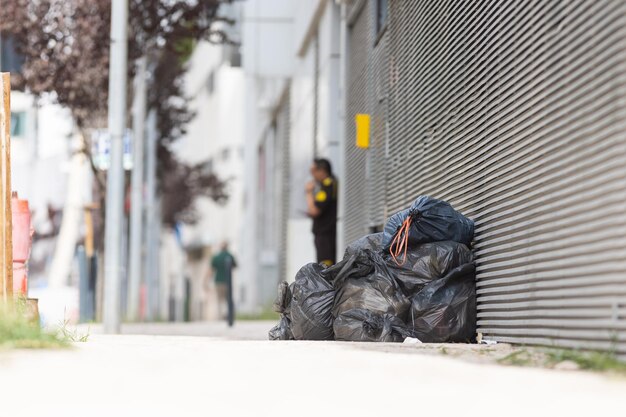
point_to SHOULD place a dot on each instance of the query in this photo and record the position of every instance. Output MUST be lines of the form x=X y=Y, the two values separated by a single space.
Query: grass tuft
x=71 y=335
x=18 y=330
x=518 y=358
x=591 y=360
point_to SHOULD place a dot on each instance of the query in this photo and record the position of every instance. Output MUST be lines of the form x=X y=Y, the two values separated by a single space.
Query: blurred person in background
x=222 y=264
x=321 y=199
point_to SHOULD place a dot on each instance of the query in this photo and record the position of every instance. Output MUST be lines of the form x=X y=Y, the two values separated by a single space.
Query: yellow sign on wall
x=362 y=130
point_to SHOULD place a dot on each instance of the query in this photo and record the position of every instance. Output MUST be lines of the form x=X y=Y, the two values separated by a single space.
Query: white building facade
x=214 y=139
x=291 y=59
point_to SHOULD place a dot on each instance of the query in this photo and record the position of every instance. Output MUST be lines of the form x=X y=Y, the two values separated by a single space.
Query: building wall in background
x=314 y=117
x=214 y=139
x=41 y=145
x=291 y=64
x=267 y=56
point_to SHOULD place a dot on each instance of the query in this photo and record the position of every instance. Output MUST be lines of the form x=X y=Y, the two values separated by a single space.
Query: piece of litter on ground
x=488 y=342
x=412 y=340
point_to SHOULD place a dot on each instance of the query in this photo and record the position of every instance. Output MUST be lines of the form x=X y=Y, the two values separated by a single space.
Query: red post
x=21 y=243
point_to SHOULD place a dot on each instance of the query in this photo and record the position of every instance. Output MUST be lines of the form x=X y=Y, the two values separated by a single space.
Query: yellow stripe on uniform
x=321 y=196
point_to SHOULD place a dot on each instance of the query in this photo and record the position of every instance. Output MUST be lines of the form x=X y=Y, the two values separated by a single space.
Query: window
x=381 y=15
x=10 y=60
x=18 y=124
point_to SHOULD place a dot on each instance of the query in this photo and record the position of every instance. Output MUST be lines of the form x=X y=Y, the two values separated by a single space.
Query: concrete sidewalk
x=242 y=330
x=140 y=375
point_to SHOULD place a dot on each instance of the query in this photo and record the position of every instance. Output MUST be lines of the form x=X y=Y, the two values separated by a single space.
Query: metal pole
x=151 y=218
x=6 y=241
x=115 y=177
x=136 y=208
x=83 y=285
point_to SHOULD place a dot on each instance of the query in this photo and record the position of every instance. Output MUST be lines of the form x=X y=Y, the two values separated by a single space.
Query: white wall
x=40 y=158
x=274 y=32
x=40 y=164
x=216 y=135
x=301 y=248
x=268 y=41
x=267 y=54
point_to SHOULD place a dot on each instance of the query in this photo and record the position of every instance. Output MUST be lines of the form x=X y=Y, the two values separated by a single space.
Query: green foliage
x=17 y=330
x=518 y=358
x=592 y=360
x=550 y=358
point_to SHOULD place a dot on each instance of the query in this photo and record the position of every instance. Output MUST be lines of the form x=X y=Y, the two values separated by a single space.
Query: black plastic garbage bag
x=373 y=242
x=432 y=220
x=366 y=326
x=445 y=309
x=426 y=262
x=283 y=300
x=364 y=282
x=312 y=304
x=282 y=305
x=282 y=331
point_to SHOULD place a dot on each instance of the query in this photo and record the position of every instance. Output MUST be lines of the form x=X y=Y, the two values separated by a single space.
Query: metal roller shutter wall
x=514 y=112
x=377 y=108
x=367 y=90
x=356 y=221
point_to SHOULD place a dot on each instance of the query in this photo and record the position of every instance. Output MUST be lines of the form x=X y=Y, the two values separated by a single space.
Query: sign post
x=6 y=241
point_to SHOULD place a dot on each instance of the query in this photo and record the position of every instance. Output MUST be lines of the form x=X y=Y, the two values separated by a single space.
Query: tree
x=65 y=45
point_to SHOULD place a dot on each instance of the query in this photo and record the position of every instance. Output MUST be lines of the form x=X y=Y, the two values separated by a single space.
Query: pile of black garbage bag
x=415 y=279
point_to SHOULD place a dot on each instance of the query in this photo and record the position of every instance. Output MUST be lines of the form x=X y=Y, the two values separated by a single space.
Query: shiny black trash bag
x=432 y=220
x=282 y=331
x=423 y=263
x=311 y=305
x=444 y=310
x=367 y=296
x=282 y=305
x=373 y=242
x=426 y=262
x=366 y=326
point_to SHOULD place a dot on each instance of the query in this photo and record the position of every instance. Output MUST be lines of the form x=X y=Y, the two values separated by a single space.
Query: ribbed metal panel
x=355 y=187
x=367 y=93
x=377 y=108
x=514 y=112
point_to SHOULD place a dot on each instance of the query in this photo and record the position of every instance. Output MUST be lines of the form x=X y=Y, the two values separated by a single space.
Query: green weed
x=589 y=360
x=518 y=358
x=17 y=330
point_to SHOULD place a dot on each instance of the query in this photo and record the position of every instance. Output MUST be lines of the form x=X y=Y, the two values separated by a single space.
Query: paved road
x=212 y=375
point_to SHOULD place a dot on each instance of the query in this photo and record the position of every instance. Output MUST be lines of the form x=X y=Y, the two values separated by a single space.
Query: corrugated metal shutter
x=514 y=112
x=355 y=187
x=367 y=89
x=377 y=107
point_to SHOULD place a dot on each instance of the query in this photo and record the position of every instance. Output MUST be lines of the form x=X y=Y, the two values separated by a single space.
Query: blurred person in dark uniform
x=222 y=264
x=321 y=199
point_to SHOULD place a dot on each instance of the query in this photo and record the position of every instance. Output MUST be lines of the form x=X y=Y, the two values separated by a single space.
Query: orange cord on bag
x=401 y=241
